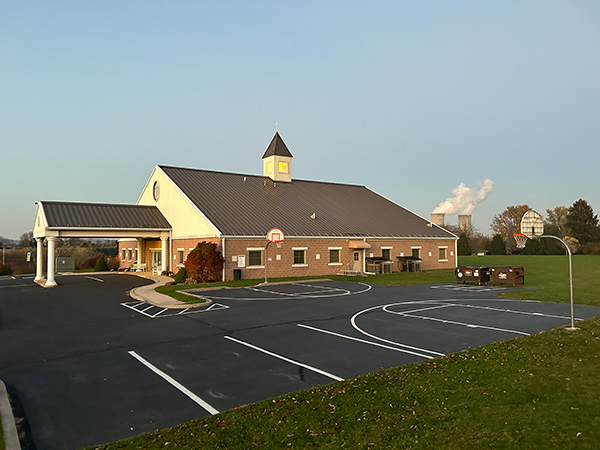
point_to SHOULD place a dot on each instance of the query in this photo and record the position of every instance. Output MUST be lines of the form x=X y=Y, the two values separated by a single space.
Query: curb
x=11 y=437
x=139 y=293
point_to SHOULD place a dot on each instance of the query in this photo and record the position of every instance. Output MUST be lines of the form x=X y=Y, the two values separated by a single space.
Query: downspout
x=455 y=253
x=224 y=257
x=171 y=250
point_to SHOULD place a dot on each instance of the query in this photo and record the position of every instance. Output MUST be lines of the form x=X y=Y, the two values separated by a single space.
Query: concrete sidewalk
x=147 y=293
x=11 y=436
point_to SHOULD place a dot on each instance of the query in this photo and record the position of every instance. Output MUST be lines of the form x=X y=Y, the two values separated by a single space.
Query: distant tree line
x=18 y=257
x=577 y=225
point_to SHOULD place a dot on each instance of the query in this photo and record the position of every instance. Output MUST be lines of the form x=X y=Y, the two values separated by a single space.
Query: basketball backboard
x=275 y=235
x=532 y=224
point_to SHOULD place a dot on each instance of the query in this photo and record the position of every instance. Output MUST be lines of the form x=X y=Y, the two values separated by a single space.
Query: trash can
x=508 y=275
x=237 y=274
x=472 y=274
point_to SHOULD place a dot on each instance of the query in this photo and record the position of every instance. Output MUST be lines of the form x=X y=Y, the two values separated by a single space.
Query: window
x=129 y=253
x=416 y=252
x=123 y=256
x=299 y=257
x=442 y=254
x=283 y=167
x=385 y=253
x=156 y=191
x=334 y=255
x=255 y=257
x=180 y=256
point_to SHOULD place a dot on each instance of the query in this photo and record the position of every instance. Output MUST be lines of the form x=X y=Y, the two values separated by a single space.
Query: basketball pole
x=572 y=327
x=266 y=260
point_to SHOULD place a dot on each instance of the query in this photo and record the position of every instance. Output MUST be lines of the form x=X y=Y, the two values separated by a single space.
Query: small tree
x=507 y=223
x=463 y=247
x=101 y=265
x=498 y=246
x=582 y=222
x=204 y=263
x=181 y=276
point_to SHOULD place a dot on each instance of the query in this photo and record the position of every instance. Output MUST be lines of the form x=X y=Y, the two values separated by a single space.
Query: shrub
x=463 y=246
x=88 y=263
x=181 y=276
x=592 y=248
x=204 y=263
x=5 y=269
x=101 y=265
x=497 y=246
x=113 y=263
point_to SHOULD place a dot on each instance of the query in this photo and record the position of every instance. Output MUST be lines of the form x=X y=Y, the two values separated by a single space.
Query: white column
x=163 y=254
x=50 y=276
x=39 y=261
x=140 y=251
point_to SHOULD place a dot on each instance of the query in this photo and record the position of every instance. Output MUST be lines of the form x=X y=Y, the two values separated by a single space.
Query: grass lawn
x=534 y=392
x=549 y=275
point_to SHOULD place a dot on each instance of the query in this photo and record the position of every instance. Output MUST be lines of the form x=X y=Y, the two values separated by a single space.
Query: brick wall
x=317 y=262
x=281 y=255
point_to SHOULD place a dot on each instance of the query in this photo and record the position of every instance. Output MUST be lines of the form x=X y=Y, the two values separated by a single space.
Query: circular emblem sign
x=275 y=235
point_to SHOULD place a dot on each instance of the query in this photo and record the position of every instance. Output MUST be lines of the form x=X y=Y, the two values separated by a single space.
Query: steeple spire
x=277 y=160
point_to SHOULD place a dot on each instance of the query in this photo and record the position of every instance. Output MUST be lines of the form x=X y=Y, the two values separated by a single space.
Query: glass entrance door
x=156 y=261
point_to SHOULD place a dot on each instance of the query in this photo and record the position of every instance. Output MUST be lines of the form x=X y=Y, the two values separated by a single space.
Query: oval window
x=156 y=191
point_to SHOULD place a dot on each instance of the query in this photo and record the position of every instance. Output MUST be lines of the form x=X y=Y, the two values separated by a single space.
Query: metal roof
x=277 y=147
x=101 y=215
x=250 y=205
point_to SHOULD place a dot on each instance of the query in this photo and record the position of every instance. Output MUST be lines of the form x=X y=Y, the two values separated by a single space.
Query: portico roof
x=71 y=219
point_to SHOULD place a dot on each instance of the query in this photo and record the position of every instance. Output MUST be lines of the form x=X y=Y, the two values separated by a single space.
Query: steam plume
x=465 y=199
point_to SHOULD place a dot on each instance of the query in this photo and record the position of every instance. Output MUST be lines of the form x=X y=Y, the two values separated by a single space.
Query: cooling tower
x=464 y=222
x=438 y=218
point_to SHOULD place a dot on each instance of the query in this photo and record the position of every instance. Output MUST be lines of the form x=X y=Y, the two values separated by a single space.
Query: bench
x=138 y=267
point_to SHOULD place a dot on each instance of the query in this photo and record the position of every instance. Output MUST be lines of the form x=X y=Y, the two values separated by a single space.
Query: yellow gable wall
x=183 y=216
x=39 y=224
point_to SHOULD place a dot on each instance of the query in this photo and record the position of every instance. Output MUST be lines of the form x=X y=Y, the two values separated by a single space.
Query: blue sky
x=408 y=98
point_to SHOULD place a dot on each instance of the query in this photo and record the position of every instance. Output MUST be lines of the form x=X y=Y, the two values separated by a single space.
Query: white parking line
x=453 y=322
x=386 y=309
x=18 y=285
x=366 y=342
x=513 y=311
x=166 y=312
x=283 y=358
x=175 y=384
x=95 y=279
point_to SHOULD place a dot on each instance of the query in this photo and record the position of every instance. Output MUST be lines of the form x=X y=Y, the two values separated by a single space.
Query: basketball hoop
x=521 y=240
x=275 y=235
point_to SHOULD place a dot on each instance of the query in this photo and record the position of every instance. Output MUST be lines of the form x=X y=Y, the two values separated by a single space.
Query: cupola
x=277 y=160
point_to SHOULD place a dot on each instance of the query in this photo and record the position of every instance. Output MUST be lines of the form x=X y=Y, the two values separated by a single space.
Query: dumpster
x=473 y=274
x=237 y=274
x=508 y=275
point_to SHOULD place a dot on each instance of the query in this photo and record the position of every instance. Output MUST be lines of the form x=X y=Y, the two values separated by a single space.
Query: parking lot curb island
x=147 y=294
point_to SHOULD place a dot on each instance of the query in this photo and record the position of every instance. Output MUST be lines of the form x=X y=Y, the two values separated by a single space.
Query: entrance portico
x=57 y=220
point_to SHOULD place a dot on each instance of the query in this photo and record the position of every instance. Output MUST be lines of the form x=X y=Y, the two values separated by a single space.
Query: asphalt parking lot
x=86 y=364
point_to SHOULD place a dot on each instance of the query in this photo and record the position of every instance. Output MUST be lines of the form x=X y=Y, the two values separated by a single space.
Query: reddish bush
x=204 y=263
